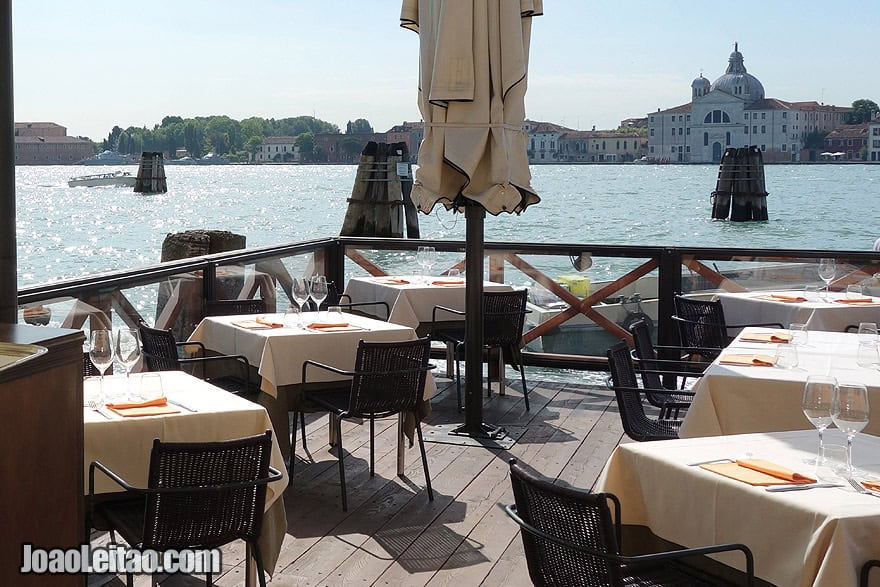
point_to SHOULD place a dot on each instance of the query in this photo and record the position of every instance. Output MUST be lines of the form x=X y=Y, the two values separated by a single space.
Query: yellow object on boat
x=576 y=284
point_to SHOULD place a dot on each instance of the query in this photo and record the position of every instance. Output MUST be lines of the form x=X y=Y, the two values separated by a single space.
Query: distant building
x=634 y=123
x=277 y=150
x=544 y=141
x=591 y=146
x=47 y=143
x=733 y=111
x=852 y=140
x=411 y=133
x=873 y=136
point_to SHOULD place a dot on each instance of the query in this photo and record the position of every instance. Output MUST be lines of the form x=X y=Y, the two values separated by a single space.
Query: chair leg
x=341 y=454
x=522 y=376
x=302 y=424
x=293 y=446
x=258 y=558
x=129 y=580
x=209 y=579
x=458 y=378
x=372 y=448
x=424 y=461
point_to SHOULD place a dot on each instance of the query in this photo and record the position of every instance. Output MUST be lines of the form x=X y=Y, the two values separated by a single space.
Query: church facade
x=733 y=111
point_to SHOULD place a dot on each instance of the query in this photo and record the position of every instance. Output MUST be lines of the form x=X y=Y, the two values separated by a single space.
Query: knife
x=180 y=404
x=777 y=488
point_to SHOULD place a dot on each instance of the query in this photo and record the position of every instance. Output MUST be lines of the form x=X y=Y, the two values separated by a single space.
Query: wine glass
x=827 y=272
x=128 y=350
x=301 y=292
x=849 y=412
x=426 y=257
x=816 y=404
x=101 y=352
x=319 y=291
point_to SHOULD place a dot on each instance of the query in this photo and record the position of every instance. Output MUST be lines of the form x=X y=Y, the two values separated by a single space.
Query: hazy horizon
x=92 y=66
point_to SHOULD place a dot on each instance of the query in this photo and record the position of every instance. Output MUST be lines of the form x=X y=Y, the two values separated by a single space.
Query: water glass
x=798 y=332
x=293 y=317
x=868 y=355
x=334 y=315
x=151 y=387
x=811 y=292
x=786 y=356
x=854 y=291
x=454 y=272
x=868 y=332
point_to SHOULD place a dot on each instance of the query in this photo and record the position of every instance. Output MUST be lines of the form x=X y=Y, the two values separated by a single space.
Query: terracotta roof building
x=47 y=143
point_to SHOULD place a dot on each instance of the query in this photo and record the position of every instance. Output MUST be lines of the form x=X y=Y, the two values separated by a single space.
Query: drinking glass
x=455 y=273
x=128 y=350
x=101 y=351
x=300 y=291
x=868 y=355
x=426 y=257
x=868 y=332
x=319 y=290
x=335 y=315
x=849 y=412
x=827 y=271
x=811 y=292
x=816 y=404
x=798 y=332
x=151 y=386
x=854 y=291
x=786 y=356
x=293 y=317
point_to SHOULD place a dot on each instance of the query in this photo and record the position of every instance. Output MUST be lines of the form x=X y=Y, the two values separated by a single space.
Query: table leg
x=401 y=444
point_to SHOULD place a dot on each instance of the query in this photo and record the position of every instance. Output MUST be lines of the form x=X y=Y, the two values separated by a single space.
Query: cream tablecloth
x=124 y=444
x=741 y=399
x=754 y=307
x=413 y=303
x=817 y=537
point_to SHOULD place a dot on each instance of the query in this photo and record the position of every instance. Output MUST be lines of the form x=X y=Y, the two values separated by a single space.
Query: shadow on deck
x=392 y=534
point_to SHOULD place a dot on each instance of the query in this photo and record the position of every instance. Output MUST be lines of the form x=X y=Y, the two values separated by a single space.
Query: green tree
x=306 y=144
x=815 y=139
x=359 y=126
x=863 y=111
x=169 y=120
x=350 y=148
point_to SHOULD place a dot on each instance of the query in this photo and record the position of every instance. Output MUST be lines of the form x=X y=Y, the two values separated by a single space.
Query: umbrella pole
x=473 y=425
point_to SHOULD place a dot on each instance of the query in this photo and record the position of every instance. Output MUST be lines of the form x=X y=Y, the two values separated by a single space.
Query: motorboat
x=108 y=158
x=116 y=179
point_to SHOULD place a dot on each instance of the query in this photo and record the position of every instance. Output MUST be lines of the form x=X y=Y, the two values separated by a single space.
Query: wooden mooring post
x=151 y=174
x=740 y=190
x=380 y=201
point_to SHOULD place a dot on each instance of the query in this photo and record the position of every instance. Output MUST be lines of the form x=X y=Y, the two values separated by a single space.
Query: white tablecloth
x=817 y=537
x=734 y=399
x=413 y=303
x=124 y=444
x=753 y=307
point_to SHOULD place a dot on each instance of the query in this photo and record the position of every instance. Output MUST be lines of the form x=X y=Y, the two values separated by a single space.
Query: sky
x=92 y=65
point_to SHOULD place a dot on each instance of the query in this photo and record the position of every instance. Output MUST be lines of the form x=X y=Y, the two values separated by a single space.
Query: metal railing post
x=8 y=256
x=668 y=284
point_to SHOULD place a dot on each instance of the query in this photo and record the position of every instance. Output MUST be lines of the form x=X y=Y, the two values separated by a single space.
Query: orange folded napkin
x=265 y=321
x=766 y=337
x=855 y=301
x=320 y=325
x=758 y=472
x=153 y=407
x=252 y=324
x=393 y=280
x=448 y=282
x=872 y=485
x=756 y=360
x=783 y=298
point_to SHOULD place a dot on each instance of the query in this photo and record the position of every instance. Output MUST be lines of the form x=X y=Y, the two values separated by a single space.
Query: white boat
x=117 y=178
x=108 y=158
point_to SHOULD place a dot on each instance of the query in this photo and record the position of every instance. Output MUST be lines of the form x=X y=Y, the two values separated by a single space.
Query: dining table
x=832 y=311
x=278 y=350
x=742 y=398
x=411 y=300
x=818 y=537
x=196 y=411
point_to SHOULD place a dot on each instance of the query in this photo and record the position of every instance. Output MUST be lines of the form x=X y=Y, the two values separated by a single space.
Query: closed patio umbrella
x=473 y=64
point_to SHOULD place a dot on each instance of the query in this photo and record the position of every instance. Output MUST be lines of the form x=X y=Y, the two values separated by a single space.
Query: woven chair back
x=504 y=314
x=226 y=500
x=580 y=517
x=160 y=349
x=703 y=324
x=390 y=377
x=234 y=307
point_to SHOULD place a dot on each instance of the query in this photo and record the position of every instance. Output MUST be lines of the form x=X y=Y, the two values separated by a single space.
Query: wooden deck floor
x=392 y=534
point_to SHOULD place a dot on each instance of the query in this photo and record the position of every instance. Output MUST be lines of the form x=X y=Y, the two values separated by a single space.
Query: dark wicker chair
x=89 y=369
x=636 y=423
x=161 y=354
x=234 y=307
x=702 y=328
x=572 y=538
x=662 y=373
x=504 y=314
x=866 y=571
x=198 y=495
x=388 y=378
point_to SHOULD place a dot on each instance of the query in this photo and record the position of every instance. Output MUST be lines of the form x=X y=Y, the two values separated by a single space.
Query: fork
x=861 y=488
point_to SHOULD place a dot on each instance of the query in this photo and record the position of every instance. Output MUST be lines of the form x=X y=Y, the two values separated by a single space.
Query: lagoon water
x=67 y=232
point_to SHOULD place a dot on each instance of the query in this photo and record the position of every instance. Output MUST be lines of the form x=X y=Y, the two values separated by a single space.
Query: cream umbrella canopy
x=473 y=65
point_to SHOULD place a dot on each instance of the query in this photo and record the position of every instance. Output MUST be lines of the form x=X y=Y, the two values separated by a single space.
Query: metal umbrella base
x=491 y=437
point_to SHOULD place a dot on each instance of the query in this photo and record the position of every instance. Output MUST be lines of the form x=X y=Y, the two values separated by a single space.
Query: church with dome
x=733 y=111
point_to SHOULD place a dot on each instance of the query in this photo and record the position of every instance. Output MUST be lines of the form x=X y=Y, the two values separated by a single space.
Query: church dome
x=701 y=83
x=737 y=81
